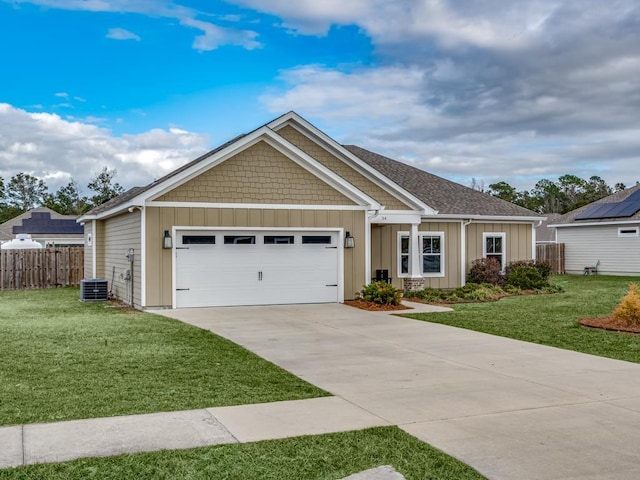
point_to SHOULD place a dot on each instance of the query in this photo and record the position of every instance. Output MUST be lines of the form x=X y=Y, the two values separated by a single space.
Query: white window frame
x=421 y=237
x=399 y=254
x=628 y=232
x=502 y=235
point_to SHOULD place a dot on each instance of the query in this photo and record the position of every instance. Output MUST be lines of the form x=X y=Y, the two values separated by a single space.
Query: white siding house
x=612 y=243
x=617 y=251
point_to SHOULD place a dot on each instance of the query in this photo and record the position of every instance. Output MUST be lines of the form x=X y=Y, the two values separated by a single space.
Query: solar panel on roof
x=628 y=207
x=594 y=211
x=634 y=197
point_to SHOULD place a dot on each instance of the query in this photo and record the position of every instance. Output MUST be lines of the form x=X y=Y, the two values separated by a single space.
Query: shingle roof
x=570 y=217
x=443 y=195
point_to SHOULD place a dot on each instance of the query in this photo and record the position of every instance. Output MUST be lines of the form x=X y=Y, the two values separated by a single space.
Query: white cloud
x=212 y=36
x=54 y=149
x=61 y=94
x=122 y=34
x=487 y=89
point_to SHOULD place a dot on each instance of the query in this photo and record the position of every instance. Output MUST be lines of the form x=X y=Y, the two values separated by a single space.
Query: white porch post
x=414 y=250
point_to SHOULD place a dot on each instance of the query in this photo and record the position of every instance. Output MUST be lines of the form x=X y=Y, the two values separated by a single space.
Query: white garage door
x=224 y=268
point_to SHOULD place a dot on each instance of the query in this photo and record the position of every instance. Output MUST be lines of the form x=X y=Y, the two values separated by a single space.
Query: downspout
x=533 y=239
x=463 y=251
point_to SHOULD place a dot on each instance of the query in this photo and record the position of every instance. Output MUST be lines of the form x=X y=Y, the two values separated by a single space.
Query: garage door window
x=198 y=239
x=278 y=239
x=316 y=239
x=239 y=239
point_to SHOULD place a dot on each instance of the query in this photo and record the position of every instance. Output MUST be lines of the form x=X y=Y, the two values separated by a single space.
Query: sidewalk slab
x=10 y=446
x=268 y=421
x=57 y=442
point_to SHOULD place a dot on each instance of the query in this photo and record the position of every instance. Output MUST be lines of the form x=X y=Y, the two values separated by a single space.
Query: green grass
x=552 y=319
x=62 y=359
x=332 y=456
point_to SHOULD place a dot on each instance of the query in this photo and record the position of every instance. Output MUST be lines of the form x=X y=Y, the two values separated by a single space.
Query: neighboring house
x=605 y=233
x=285 y=214
x=545 y=233
x=45 y=226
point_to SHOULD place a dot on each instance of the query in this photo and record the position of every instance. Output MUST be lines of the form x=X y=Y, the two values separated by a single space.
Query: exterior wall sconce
x=167 y=242
x=349 y=241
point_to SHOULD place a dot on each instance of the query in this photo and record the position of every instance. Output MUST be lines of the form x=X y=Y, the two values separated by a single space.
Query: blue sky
x=481 y=89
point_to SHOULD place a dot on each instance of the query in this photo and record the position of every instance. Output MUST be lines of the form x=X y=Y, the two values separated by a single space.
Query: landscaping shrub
x=382 y=293
x=485 y=270
x=628 y=310
x=470 y=292
x=526 y=277
x=544 y=268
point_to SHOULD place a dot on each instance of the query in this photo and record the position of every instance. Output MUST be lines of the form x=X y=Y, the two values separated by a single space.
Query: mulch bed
x=374 y=307
x=608 y=323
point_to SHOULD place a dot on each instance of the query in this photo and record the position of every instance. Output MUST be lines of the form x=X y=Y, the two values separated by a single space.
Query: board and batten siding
x=519 y=238
x=584 y=246
x=159 y=261
x=116 y=236
x=88 y=251
x=384 y=252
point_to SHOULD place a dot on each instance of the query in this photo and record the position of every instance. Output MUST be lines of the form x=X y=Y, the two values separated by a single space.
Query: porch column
x=414 y=281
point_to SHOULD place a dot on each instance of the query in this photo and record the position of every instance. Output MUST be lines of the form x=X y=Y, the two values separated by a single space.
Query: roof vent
x=94 y=290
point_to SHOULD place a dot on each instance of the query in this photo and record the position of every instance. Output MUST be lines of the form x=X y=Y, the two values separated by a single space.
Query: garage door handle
x=182 y=289
x=334 y=285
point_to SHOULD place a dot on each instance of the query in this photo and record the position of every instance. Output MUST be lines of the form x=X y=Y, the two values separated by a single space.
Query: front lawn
x=62 y=359
x=552 y=319
x=332 y=456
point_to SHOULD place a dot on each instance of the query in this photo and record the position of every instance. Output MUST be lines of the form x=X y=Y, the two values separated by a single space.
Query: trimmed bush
x=471 y=292
x=526 y=277
x=382 y=293
x=543 y=268
x=485 y=270
x=628 y=310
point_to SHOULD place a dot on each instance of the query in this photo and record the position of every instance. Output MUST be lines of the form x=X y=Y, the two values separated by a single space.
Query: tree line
x=23 y=192
x=547 y=196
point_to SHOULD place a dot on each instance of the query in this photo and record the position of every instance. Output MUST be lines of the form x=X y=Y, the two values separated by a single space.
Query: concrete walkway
x=101 y=437
x=509 y=409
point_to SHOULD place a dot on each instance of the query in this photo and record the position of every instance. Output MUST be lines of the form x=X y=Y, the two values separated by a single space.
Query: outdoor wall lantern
x=349 y=241
x=166 y=241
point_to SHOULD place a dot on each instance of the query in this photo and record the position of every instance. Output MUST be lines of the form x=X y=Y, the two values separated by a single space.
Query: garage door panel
x=257 y=274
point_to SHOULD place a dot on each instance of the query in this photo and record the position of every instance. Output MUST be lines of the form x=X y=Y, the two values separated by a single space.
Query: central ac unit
x=94 y=290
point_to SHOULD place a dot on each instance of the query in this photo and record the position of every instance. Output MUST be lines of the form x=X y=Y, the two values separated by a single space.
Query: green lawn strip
x=331 y=456
x=63 y=359
x=552 y=319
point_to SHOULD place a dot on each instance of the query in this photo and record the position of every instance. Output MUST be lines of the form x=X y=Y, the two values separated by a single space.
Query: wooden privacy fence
x=553 y=254
x=45 y=268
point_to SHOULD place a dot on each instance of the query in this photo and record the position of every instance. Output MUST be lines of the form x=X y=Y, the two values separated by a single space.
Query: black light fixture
x=349 y=241
x=167 y=242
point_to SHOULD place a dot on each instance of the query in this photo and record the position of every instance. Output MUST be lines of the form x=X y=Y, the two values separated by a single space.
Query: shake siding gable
x=259 y=174
x=342 y=169
x=585 y=246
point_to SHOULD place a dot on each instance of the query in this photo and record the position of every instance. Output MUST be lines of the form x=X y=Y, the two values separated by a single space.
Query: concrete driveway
x=510 y=409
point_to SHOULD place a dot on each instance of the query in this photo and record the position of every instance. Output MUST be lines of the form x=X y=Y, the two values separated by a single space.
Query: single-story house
x=285 y=214
x=604 y=234
x=45 y=226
